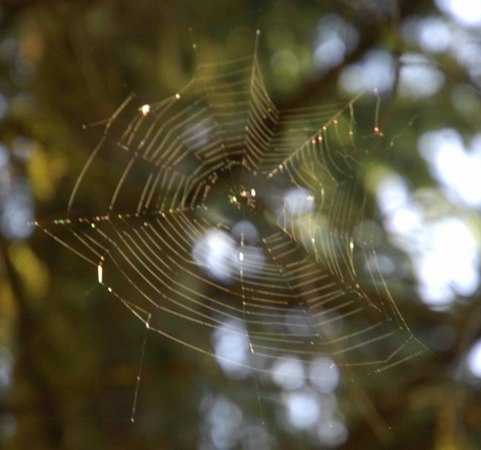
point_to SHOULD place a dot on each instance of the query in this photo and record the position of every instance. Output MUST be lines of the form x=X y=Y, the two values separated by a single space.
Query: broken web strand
x=67 y=221
x=139 y=370
x=139 y=313
x=129 y=247
x=144 y=317
x=96 y=150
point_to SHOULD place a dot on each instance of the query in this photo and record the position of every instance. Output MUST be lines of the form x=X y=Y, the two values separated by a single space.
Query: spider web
x=215 y=209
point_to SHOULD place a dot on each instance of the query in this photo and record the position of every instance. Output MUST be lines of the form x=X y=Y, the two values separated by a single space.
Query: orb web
x=214 y=210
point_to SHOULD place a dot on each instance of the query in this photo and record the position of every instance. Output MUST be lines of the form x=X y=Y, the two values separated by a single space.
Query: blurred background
x=69 y=354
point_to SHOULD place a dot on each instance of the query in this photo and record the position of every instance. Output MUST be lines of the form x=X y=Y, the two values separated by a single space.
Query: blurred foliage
x=69 y=355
